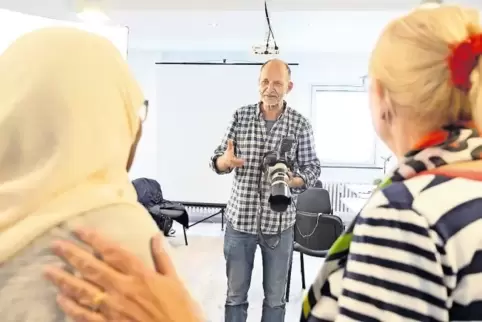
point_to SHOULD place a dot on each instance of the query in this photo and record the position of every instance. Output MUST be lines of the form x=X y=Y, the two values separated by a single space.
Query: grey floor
x=201 y=264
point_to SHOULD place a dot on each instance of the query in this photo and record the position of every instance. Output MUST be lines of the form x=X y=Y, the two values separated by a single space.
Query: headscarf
x=68 y=117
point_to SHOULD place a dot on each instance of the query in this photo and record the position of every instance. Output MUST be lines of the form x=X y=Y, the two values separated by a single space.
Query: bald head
x=274 y=83
x=278 y=63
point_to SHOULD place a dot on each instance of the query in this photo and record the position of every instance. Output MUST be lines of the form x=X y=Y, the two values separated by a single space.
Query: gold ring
x=97 y=300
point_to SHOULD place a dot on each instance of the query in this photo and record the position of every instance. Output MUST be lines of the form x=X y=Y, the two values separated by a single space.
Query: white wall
x=142 y=65
x=314 y=69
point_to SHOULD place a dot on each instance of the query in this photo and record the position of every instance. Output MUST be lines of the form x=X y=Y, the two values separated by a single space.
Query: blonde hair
x=410 y=62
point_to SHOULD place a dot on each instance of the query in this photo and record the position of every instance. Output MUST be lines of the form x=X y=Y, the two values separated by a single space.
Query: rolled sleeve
x=308 y=164
x=230 y=134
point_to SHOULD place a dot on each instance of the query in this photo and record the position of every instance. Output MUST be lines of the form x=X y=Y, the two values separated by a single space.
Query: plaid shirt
x=251 y=188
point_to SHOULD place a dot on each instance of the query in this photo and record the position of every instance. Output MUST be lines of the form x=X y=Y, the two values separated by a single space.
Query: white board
x=195 y=105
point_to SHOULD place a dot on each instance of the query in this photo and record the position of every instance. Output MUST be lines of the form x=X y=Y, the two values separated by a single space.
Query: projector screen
x=196 y=103
x=15 y=24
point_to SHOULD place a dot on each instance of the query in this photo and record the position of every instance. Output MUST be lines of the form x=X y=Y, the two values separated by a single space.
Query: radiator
x=337 y=191
x=199 y=212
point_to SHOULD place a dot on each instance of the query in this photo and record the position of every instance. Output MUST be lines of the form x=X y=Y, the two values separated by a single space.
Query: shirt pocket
x=250 y=142
x=250 y=148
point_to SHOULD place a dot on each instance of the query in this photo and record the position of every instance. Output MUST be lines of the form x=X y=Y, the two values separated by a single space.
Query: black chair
x=164 y=212
x=318 y=184
x=171 y=211
x=316 y=229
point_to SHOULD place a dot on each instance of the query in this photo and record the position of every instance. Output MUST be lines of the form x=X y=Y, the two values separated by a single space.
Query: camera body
x=277 y=164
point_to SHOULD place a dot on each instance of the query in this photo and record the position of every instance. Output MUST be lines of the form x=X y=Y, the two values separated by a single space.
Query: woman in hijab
x=414 y=253
x=123 y=288
x=69 y=126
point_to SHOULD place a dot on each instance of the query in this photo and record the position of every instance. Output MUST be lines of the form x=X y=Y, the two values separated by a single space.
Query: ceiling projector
x=265 y=50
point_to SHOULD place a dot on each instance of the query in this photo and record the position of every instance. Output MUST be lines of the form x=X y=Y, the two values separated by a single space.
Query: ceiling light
x=93 y=15
x=214 y=25
x=430 y=4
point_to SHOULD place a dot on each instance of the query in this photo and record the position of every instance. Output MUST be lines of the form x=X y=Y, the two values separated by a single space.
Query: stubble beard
x=273 y=107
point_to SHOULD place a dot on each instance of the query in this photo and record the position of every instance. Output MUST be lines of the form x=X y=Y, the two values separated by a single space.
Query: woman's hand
x=119 y=287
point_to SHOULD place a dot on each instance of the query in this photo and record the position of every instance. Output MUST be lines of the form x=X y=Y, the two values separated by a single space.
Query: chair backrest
x=317 y=231
x=318 y=184
x=314 y=200
x=316 y=228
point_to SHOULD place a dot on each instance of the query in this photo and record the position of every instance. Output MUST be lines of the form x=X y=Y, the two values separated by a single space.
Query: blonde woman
x=69 y=126
x=414 y=253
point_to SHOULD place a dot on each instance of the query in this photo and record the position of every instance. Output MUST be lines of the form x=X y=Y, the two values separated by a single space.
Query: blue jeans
x=239 y=250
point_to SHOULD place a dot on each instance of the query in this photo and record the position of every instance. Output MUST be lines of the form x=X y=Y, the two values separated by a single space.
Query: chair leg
x=185 y=235
x=288 y=282
x=302 y=264
x=222 y=220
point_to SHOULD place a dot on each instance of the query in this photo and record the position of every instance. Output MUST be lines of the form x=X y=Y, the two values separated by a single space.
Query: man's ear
x=290 y=87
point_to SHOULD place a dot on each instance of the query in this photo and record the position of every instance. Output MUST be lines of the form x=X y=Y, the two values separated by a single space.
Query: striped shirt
x=251 y=188
x=416 y=255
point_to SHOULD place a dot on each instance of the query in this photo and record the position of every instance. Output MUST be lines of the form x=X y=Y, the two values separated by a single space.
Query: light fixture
x=430 y=4
x=91 y=11
x=93 y=15
x=213 y=24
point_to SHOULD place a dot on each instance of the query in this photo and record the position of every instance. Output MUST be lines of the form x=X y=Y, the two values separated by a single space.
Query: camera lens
x=280 y=197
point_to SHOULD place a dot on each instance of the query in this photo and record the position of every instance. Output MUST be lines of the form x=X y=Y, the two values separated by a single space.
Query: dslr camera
x=276 y=165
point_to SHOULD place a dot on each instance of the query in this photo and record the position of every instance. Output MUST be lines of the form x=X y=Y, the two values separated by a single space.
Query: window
x=344 y=134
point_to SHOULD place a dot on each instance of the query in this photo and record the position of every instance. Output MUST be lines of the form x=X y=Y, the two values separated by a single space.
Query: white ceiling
x=234 y=5
x=240 y=30
x=299 y=25
x=277 y=5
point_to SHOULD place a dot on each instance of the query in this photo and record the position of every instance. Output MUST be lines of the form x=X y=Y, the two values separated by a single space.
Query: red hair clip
x=463 y=59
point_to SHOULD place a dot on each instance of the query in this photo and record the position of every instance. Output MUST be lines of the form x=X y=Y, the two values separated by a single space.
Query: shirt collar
x=283 y=112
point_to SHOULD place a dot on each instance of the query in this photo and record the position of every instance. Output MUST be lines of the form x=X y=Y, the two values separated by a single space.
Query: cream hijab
x=68 y=117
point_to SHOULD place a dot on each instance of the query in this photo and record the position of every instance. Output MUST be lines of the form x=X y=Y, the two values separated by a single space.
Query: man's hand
x=294 y=182
x=229 y=160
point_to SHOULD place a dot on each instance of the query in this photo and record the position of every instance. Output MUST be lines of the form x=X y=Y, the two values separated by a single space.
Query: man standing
x=254 y=131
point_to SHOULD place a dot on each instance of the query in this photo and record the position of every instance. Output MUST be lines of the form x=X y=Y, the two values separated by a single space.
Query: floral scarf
x=453 y=144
